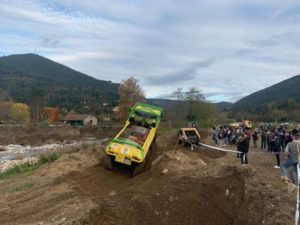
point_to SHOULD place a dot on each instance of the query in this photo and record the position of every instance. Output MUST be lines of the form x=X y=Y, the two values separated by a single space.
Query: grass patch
x=48 y=158
x=21 y=187
x=27 y=168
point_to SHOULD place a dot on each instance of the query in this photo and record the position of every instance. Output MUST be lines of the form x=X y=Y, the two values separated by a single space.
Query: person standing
x=248 y=133
x=263 y=139
x=292 y=149
x=288 y=138
x=244 y=148
x=268 y=138
x=270 y=141
x=255 y=138
x=281 y=134
x=277 y=149
x=239 y=145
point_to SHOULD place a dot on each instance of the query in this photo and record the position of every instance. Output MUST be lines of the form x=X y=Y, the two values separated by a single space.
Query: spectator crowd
x=271 y=139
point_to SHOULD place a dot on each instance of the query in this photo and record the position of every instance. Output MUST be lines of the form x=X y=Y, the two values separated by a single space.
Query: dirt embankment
x=182 y=187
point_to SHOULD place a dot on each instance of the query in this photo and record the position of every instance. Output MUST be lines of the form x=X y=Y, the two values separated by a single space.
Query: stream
x=19 y=152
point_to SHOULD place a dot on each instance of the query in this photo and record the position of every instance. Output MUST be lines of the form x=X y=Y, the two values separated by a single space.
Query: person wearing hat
x=292 y=150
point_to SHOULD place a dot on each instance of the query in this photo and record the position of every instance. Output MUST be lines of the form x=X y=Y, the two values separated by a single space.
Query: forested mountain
x=224 y=105
x=287 y=89
x=279 y=102
x=38 y=81
x=30 y=78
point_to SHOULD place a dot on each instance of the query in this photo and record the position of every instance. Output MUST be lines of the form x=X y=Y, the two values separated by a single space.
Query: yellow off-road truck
x=131 y=145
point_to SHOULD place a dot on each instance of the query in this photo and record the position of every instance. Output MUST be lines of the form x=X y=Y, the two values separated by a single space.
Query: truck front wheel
x=138 y=168
x=107 y=162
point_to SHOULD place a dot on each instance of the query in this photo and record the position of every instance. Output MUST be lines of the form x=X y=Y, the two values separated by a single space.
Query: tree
x=130 y=93
x=51 y=114
x=279 y=115
x=5 y=110
x=190 y=106
x=20 y=112
x=193 y=96
x=178 y=94
x=54 y=115
x=37 y=96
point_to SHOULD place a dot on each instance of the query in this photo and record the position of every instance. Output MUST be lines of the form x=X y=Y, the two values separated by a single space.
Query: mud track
x=203 y=187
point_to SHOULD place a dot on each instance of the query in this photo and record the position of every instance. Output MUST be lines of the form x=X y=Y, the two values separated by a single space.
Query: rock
x=157 y=160
x=166 y=213
x=227 y=192
x=178 y=158
x=112 y=193
x=165 y=171
x=176 y=198
x=156 y=212
x=291 y=188
x=171 y=199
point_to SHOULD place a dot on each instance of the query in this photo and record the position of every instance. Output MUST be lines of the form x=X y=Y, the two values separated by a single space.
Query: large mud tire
x=108 y=162
x=138 y=168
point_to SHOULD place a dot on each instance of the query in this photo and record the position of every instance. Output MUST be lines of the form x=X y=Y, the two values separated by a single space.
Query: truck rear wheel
x=107 y=162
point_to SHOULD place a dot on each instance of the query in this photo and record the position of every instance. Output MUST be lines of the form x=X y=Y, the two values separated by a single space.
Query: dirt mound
x=226 y=195
x=179 y=200
x=181 y=187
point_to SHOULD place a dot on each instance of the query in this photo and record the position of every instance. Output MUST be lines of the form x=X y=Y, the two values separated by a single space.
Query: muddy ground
x=181 y=187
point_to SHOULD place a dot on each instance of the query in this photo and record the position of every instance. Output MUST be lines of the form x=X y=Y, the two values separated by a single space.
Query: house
x=81 y=120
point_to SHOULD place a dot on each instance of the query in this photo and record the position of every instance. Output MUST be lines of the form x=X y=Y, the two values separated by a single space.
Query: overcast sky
x=228 y=49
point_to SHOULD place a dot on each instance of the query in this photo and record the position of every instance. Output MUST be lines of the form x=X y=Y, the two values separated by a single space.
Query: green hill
x=28 y=77
x=224 y=105
x=281 y=91
x=278 y=102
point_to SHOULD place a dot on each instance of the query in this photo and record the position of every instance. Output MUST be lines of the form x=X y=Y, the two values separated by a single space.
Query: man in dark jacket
x=244 y=148
x=239 y=145
x=288 y=138
x=270 y=141
x=255 y=138
x=281 y=134
x=263 y=139
x=277 y=149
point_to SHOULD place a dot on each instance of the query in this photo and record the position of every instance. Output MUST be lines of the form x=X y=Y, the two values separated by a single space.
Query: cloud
x=51 y=43
x=183 y=75
x=160 y=42
x=243 y=51
x=284 y=39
